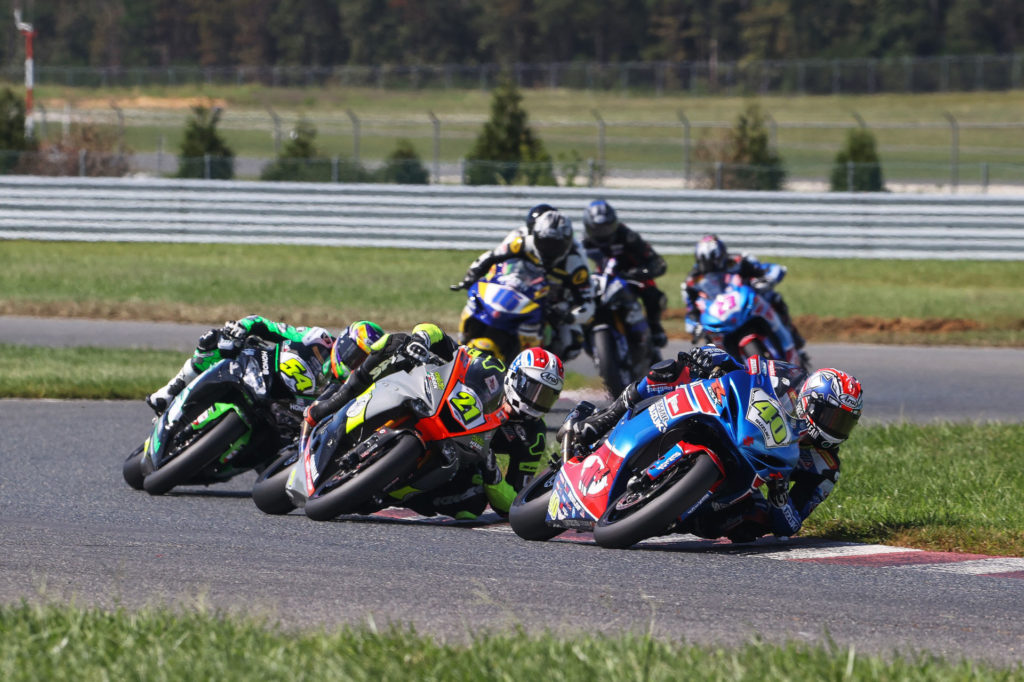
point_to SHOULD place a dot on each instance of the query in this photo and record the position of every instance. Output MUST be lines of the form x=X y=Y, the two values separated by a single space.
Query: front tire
x=396 y=463
x=132 y=468
x=269 y=493
x=530 y=509
x=614 y=372
x=197 y=456
x=628 y=520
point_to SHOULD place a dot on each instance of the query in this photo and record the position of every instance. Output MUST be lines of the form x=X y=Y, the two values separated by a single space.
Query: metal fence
x=941 y=154
x=476 y=218
x=794 y=76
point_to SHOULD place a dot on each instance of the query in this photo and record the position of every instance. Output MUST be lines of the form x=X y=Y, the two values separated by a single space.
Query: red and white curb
x=804 y=550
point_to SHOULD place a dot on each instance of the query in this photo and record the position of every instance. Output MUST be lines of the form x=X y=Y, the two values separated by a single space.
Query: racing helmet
x=600 y=221
x=535 y=212
x=533 y=382
x=710 y=254
x=551 y=238
x=352 y=347
x=830 y=401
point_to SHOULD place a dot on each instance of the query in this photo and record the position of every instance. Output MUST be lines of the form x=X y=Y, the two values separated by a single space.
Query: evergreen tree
x=507 y=151
x=202 y=140
x=403 y=166
x=12 y=130
x=867 y=170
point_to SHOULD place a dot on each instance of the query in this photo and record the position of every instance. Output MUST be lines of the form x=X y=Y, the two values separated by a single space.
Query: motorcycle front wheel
x=397 y=463
x=269 y=493
x=132 y=468
x=529 y=511
x=197 y=456
x=614 y=371
x=639 y=514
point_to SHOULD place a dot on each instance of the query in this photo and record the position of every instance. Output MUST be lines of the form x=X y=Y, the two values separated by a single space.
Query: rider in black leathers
x=608 y=239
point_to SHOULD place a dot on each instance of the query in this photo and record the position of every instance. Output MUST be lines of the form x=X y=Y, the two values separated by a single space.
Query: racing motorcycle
x=711 y=442
x=504 y=312
x=737 y=318
x=408 y=433
x=619 y=316
x=232 y=418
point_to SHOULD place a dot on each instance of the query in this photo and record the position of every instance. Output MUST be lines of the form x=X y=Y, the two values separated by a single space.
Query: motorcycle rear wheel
x=197 y=456
x=398 y=462
x=269 y=493
x=131 y=469
x=647 y=516
x=529 y=511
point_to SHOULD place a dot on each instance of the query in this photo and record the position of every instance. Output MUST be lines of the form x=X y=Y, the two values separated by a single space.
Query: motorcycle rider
x=312 y=344
x=712 y=258
x=607 y=238
x=824 y=406
x=532 y=384
x=364 y=353
x=547 y=240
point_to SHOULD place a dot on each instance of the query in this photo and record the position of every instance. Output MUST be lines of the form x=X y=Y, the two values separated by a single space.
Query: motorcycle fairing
x=251 y=372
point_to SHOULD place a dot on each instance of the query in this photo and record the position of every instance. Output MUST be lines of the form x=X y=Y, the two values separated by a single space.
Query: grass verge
x=949 y=487
x=866 y=300
x=66 y=643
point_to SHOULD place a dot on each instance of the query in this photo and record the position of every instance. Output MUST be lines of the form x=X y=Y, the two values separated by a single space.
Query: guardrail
x=824 y=225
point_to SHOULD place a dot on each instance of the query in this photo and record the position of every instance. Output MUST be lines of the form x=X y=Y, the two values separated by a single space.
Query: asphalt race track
x=72 y=530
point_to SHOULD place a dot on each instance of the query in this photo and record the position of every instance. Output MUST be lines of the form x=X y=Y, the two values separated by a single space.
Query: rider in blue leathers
x=826 y=405
x=711 y=258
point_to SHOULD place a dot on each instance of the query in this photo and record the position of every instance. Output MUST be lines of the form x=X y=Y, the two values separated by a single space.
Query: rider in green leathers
x=311 y=344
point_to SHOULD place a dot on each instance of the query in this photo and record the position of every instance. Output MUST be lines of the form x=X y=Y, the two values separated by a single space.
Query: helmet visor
x=833 y=420
x=602 y=232
x=535 y=394
x=346 y=356
x=550 y=249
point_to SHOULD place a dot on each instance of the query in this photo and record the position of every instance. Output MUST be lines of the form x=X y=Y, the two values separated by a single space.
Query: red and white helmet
x=830 y=401
x=710 y=254
x=533 y=382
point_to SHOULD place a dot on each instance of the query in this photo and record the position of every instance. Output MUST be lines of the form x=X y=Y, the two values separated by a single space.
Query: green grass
x=84 y=373
x=397 y=288
x=913 y=136
x=109 y=373
x=66 y=643
x=946 y=487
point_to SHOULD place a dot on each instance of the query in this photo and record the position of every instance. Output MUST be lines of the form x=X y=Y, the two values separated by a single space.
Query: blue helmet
x=600 y=221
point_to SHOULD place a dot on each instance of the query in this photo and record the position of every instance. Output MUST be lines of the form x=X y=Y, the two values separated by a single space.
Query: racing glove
x=417 y=348
x=209 y=340
x=711 y=361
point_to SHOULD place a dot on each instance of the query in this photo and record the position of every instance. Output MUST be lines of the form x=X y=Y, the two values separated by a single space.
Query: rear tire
x=530 y=509
x=197 y=456
x=398 y=462
x=269 y=493
x=132 y=468
x=614 y=372
x=619 y=528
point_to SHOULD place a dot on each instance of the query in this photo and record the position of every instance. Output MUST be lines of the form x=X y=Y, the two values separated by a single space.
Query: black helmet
x=551 y=238
x=535 y=212
x=599 y=221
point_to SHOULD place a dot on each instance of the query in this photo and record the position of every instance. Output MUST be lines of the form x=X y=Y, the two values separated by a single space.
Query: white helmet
x=533 y=382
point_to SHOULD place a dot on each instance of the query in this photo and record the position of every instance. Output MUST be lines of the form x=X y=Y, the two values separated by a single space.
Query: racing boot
x=161 y=398
x=590 y=430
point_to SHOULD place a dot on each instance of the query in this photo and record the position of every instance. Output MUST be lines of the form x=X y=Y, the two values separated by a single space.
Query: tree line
x=135 y=33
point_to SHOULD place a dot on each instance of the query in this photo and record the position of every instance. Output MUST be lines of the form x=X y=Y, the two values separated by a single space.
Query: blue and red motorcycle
x=736 y=317
x=713 y=442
